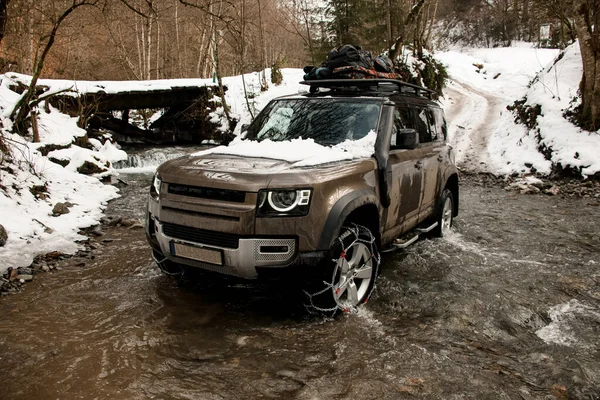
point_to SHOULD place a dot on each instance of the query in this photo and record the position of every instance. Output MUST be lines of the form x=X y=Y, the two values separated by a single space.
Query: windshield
x=327 y=121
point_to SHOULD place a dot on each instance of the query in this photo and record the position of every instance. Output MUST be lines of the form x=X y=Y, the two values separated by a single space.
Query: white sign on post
x=545 y=32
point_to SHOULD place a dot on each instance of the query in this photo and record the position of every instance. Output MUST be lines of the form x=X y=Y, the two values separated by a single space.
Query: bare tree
x=587 y=25
x=22 y=109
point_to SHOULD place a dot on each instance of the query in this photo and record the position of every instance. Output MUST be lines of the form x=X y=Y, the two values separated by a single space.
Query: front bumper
x=250 y=256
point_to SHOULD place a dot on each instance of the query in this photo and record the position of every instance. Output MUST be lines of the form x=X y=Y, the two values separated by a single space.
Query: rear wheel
x=445 y=214
x=346 y=278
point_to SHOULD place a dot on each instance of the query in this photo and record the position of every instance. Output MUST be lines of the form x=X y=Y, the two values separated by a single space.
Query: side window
x=403 y=119
x=423 y=125
x=432 y=126
x=440 y=124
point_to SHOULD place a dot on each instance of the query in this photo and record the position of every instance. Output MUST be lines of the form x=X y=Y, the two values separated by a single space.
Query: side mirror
x=407 y=139
x=244 y=127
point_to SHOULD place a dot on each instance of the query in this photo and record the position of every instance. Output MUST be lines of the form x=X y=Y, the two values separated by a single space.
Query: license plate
x=197 y=253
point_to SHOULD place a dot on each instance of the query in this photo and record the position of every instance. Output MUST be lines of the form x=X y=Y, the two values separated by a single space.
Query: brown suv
x=251 y=216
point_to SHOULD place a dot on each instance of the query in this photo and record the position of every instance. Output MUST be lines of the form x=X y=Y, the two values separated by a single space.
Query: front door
x=407 y=180
x=431 y=150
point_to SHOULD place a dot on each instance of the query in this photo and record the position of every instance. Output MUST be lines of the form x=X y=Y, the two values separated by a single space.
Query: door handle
x=419 y=165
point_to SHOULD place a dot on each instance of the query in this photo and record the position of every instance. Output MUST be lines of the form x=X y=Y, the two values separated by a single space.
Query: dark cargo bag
x=349 y=55
x=383 y=64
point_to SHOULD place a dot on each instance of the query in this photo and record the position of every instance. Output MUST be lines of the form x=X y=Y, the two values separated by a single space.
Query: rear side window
x=423 y=122
x=440 y=124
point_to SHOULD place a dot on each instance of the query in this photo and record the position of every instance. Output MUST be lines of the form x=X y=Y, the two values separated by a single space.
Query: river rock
x=24 y=271
x=115 y=221
x=553 y=191
x=60 y=209
x=3 y=236
x=25 y=278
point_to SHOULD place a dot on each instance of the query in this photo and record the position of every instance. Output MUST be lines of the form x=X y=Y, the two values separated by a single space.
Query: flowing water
x=507 y=307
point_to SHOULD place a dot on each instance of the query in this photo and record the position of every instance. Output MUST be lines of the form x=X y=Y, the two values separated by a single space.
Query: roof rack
x=368 y=85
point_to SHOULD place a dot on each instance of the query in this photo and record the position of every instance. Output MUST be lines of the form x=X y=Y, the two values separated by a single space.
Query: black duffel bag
x=347 y=55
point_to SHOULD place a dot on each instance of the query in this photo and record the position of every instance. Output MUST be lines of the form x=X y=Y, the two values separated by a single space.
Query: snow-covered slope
x=554 y=89
x=492 y=79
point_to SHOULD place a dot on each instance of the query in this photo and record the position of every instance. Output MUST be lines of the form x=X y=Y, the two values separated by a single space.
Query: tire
x=346 y=278
x=445 y=214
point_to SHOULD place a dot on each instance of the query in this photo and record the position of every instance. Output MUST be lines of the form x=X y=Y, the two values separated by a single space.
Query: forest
x=157 y=39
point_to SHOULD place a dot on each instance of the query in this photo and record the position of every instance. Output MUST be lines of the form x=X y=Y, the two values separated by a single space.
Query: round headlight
x=283 y=200
x=156 y=182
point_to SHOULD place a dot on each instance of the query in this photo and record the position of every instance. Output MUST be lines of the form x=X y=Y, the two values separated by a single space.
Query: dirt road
x=506 y=308
x=470 y=114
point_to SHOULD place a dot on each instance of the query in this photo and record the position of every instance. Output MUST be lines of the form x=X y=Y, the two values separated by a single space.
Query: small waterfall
x=149 y=158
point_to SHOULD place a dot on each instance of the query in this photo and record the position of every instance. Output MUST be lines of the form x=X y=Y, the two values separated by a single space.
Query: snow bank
x=31 y=185
x=506 y=74
x=554 y=89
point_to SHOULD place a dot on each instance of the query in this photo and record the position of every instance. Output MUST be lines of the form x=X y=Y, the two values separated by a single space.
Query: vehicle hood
x=246 y=173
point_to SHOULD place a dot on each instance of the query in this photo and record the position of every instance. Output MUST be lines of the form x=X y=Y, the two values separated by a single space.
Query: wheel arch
x=360 y=207
x=452 y=185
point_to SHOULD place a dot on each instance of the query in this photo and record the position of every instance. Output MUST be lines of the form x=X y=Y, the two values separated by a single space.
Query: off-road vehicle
x=327 y=221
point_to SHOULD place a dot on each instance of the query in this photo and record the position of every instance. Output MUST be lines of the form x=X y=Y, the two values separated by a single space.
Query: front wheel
x=346 y=278
x=445 y=214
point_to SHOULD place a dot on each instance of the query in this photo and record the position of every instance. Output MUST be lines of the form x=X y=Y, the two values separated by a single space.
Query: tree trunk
x=586 y=25
x=396 y=49
x=3 y=18
x=263 y=50
x=388 y=14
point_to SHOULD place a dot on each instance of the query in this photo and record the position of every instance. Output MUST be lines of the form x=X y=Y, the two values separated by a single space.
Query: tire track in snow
x=472 y=117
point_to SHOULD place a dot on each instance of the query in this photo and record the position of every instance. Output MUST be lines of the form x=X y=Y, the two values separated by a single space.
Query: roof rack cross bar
x=366 y=84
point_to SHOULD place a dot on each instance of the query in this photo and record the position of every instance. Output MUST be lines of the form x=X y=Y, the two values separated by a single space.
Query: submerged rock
x=3 y=236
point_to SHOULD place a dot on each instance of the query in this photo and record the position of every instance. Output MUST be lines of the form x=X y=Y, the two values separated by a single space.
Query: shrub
x=276 y=75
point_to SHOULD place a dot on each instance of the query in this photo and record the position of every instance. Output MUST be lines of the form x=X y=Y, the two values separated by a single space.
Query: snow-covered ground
x=483 y=132
x=485 y=81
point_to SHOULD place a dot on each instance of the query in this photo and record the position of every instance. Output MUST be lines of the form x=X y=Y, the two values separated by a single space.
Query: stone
x=542 y=185
x=24 y=271
x=115 y=221
x=128 y=222
x=12 y=274
x=25 y=278
x=45 y=268
x=553 y=191
x=60 y=209
x=3 y=236
x=97 y=231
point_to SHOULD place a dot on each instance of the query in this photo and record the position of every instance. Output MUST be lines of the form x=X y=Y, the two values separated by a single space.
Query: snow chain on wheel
x=346 y=279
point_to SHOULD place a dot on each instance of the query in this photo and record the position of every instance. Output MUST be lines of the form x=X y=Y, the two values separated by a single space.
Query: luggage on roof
x=351 y=62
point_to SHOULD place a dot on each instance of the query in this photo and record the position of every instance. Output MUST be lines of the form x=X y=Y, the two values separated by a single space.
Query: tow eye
x=167 y=267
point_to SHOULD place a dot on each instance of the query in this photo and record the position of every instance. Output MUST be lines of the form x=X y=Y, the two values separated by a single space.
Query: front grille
x=202 y=236
x=234 y=196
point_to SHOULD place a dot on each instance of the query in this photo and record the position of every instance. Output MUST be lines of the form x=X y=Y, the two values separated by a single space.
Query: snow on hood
x=300 y=152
